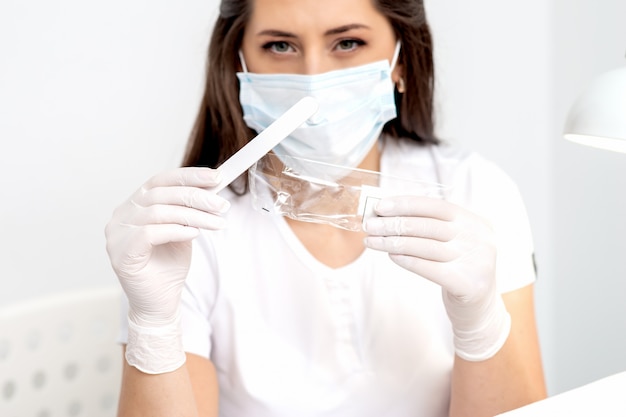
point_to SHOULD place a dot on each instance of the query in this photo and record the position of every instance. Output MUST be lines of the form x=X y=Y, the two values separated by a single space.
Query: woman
x=429 y=311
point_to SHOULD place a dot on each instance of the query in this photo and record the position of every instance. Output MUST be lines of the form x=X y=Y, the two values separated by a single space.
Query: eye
x=349 y=44
x=279 y=47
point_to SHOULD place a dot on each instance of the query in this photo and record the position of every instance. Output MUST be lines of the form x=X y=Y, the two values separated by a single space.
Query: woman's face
x=315 y=36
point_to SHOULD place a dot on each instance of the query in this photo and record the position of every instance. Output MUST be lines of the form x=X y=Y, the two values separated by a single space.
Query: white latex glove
x=454 y=248
x=149 y=246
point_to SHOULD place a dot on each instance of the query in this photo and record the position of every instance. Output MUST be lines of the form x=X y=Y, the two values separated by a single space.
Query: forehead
x=297 y=16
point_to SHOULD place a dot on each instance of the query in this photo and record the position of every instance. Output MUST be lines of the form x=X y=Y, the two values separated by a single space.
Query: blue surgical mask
x=354 y=105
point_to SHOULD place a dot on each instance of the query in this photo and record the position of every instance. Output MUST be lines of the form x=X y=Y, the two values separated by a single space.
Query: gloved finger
x=160 y=234
x=187 y=176
x=416 y=247
x=141 y=241
x=178 y=215
x=424 y=227
x=440 y=273
x=192 y=197
x=416 y=206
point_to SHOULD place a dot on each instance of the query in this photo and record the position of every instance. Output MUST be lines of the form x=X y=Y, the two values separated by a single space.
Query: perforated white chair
x=59 y=356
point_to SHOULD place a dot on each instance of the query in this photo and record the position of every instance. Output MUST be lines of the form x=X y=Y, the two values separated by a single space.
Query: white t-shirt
x=290 y=336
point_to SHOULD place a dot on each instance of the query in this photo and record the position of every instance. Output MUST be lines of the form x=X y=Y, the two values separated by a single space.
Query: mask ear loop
x=396 y=54
x=244 y=67
x=394 y=60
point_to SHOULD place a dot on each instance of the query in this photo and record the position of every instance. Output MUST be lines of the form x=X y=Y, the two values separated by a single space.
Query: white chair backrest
x=59 y=356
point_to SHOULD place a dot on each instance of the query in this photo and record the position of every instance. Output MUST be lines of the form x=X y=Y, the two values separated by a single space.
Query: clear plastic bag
x=335 y=195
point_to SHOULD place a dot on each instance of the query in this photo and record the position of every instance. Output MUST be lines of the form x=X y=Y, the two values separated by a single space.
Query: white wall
x=95 y=98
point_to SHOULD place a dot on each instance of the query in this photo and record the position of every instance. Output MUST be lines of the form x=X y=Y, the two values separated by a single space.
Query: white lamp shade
x=598 y=117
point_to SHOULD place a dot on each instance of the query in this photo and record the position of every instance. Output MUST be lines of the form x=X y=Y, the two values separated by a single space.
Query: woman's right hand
x=149 y=246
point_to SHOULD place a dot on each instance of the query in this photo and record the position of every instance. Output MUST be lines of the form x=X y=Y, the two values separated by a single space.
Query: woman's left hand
x=454 y=248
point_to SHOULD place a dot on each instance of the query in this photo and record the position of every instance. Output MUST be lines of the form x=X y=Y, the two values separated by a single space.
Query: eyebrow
x=334 y=31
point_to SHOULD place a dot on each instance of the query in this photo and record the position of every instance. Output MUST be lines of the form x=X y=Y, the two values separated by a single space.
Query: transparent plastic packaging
x=316 y=192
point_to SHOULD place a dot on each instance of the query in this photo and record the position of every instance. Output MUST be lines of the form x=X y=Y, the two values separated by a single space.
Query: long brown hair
x=219 y=130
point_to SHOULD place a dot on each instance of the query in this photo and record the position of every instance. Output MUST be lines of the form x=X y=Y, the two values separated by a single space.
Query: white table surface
x=601 y=398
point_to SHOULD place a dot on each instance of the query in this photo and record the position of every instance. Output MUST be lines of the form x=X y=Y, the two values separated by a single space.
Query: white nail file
x=261 y=144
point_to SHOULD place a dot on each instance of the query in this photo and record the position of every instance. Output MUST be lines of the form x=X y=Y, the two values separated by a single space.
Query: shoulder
x=481 y=186
x=459 y=169
x=471 y=176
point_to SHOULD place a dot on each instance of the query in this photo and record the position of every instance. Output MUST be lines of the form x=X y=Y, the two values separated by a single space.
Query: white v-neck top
x=290 y=336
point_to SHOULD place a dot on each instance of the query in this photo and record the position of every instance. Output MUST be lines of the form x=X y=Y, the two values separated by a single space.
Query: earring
x=401 y=86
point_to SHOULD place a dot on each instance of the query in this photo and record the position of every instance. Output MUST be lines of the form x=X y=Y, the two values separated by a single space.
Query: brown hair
x=219 y=130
